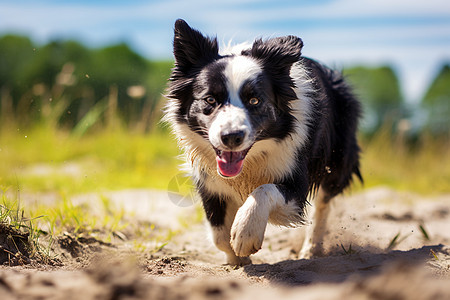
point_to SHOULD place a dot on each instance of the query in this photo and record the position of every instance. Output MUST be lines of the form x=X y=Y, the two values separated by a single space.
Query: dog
x=263 y=129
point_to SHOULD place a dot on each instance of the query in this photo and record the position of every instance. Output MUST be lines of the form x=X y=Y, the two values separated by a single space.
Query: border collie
x=263 y=128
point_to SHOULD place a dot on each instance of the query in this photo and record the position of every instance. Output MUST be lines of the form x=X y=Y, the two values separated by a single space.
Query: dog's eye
x=253 y=101
x=210 y=100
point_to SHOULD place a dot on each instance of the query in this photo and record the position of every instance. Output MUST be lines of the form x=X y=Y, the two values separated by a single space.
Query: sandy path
x=359 y=264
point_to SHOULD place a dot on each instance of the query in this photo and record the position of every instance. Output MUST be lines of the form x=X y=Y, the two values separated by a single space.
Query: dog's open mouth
x=230 y=163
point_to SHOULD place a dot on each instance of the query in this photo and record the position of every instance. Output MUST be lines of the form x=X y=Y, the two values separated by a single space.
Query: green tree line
x=67 y=84
x=64 y=80
x=380 y=92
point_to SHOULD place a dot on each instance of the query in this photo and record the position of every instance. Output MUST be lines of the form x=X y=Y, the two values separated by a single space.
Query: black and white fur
x=262 y=128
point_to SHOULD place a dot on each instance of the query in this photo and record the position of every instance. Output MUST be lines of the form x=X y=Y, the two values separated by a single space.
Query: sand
x=376 y=249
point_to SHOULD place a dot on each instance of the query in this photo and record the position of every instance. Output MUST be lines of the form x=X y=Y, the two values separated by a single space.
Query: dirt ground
x=381 y=244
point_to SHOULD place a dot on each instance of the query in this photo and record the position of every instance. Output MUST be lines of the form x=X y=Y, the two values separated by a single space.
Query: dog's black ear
x=278 y=54
x=191 y=48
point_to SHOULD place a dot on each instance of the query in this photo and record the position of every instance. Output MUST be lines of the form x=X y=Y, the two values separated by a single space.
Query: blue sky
x=411 y=35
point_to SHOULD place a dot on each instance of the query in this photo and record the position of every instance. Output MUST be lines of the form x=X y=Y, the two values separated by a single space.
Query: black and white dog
x=263 y=128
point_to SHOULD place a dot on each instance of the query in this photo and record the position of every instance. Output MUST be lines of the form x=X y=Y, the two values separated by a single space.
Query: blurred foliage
x=34 y=80
x=119 y=159
x=54 y=160
x=436 y=103
x=52 y=97
x=379 y=91
x=61 y=82
x=388 y=159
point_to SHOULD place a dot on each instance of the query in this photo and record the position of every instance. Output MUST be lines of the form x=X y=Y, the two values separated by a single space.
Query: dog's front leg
x=220 y=212
x=247 y=231
x=221 y=236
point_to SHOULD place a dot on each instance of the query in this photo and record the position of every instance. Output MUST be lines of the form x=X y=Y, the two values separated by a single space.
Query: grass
x=50 y=221
x=19 y=231
x=425 y=235
x=348 y=251
x=43 y=159
x=46 y=159
x=394 y=242
x=423 y=168
x=434 y=254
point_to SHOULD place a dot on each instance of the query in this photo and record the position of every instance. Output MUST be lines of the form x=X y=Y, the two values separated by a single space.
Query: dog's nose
x=233 y=139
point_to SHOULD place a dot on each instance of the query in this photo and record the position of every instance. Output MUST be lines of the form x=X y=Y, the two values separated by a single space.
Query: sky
x=413 y=36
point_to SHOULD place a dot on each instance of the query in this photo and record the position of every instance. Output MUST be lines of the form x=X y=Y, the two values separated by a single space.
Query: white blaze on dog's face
x=231 y=133
x=233 y=100
x=234 y=107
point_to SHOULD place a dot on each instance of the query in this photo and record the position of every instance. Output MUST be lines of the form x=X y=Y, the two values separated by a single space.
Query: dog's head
x=233 y=100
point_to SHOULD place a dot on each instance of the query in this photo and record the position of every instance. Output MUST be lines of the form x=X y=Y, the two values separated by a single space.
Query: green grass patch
x=47 y=159
x=43 y=159
x=20 y=236
x=423 y=168
x=30 y=231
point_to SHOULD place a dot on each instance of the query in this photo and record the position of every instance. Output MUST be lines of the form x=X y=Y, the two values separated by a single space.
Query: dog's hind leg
x=315 y=232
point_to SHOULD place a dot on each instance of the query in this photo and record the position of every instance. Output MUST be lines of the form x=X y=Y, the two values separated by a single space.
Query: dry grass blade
x=394 y=242
x=348 y=251
x=434 y=254
x=424 y=232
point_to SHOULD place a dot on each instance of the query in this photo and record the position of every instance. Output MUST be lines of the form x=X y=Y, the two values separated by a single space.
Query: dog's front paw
x=237 y=261
x=245 y=242
x=247 y=232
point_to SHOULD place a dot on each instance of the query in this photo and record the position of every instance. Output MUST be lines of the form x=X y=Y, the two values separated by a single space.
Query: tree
x=379 y=91
x=118 y=66
x=16 y=53
x=63 y=80
x=436 y=103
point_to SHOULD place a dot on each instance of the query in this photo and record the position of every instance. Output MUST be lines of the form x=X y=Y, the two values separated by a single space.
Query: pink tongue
x=230 y=163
